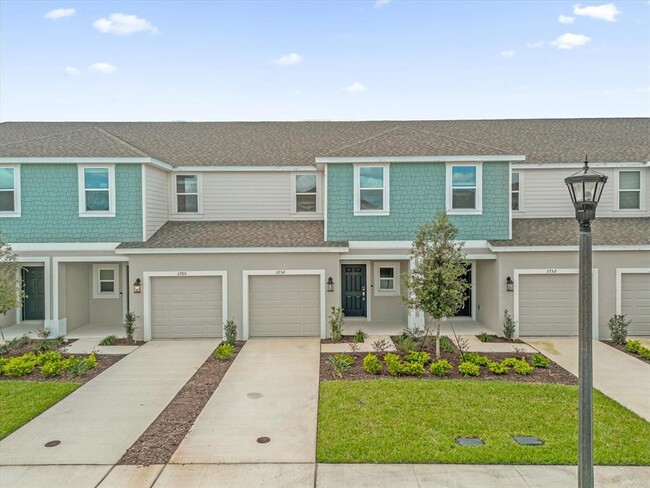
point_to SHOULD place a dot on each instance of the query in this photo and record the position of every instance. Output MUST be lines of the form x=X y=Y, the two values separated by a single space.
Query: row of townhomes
x=273 y=223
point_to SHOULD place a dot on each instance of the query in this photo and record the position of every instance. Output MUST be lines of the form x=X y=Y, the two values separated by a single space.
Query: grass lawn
x=398 y=421
x=21 y=401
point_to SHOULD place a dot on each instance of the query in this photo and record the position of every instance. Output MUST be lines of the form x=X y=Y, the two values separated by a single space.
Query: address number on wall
x=182 y=273
x=280 y=272
x=551 y=271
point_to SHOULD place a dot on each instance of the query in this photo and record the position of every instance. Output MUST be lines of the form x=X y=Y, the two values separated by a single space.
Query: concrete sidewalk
x=98 y=422
x=271 y=390
x=617 y=374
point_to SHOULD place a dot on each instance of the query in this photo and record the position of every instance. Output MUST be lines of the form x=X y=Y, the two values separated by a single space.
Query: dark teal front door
x=34 y=288
x=353 y=290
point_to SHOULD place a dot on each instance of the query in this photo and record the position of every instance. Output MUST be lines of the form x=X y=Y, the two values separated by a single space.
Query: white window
x=371 y=184
x=106 y=281
x=187 y=194
x=10 y=191
x=464 y=183
x=387 y=277
x=96 y=191
x=515 y=189
x=629 y=190
x=305 y=193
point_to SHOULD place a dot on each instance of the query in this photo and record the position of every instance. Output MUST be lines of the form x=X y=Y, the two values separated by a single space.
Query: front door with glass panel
x=353 y=290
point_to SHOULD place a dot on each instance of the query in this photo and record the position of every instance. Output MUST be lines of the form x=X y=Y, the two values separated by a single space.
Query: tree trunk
x=437 y=339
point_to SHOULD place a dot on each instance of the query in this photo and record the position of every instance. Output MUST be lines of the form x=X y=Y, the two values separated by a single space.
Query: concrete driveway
x=617 y=374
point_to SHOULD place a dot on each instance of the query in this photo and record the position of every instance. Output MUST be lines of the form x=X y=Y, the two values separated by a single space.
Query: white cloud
x=507 y=54
x=381 y=3
x=355 y=87
x=289 y=59
x=569 y=41
x=102 y=68
x=566 y=19
x=70 y=71
x=124 y=25
x=535 y=45
x=606 y=12
x=60 y=13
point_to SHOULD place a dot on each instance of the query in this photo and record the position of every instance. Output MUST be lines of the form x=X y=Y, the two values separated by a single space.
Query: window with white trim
x=305 y=189
x=516 y=192
x=629 y=190
x=371 y=183
x=464 y=189
x=106 y=281
x=96 y=191
x=387 y=279
x=187 y=193
x=10 y=191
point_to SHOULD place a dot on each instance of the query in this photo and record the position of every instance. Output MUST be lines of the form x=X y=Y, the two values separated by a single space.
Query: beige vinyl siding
x=249 y=196
x=543 y=194
x=157 y=199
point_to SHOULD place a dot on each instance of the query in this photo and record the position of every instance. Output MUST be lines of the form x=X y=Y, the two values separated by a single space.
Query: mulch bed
x=159 y=442
x=345 y=338
x=123 y=342
x=622 y=349
x=496 y=338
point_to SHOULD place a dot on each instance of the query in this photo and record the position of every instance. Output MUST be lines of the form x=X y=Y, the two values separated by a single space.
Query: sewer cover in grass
x=525 y=440
x=469 y=441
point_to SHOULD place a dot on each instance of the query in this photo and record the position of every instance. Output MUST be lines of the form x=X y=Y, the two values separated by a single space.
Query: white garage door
x=186 y=307
x=635 y=302
x=284 y=306
x=548 y=305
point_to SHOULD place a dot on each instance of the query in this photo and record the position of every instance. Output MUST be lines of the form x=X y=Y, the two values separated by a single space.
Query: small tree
x=11 y=293
x=436 y=285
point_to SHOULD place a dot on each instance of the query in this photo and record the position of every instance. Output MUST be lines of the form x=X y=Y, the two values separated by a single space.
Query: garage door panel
x=186 y=307
x=548 y=305
x=635 y=302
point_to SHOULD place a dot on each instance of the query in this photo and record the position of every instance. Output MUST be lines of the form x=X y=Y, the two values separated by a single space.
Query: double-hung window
x=371 y=190
x=305 y=189
x=464 y=189
x=387 y=278
x=96 y=191
x=629 y=190
x=516 y=191
x=10 y=191
x=187 y=193
x=106 y=281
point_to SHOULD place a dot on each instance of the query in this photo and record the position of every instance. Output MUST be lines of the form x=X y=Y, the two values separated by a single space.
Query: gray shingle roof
x=241 y=233
x=299 y=143
x=631 y=231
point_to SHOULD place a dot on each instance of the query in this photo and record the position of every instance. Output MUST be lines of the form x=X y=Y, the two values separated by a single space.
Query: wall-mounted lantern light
x=510 y=285
x=137 y=286
x=330 y=284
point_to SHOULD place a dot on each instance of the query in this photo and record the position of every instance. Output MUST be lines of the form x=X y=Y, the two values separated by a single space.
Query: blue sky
x=311 y=60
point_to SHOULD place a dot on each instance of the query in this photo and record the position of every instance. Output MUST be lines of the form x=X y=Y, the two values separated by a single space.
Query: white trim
x=124 y=289
x=48 y=284
x=396 y=267
x=231 y=250
x=144 y=202
x=374 y=257
x=16 y=212
x=226 y=169
x=64 y=246
x=294 y=195
x=111 y=212
x=91 y=259
x=416 y=317
x=637 y=164
x=385 y=190
x=325 y=203
x=478 y=209
x=642 y=247
x=641 y=190
x=406 y=245
x=199 y=196
x=246 y=274
x=619 y=284
x=510 y=200
x=422 y=159
x=97 y=293
x=148 y=275
x=551 y=272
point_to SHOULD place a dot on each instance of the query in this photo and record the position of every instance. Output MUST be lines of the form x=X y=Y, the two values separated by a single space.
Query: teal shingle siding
x=417 y=192
x=50 y=207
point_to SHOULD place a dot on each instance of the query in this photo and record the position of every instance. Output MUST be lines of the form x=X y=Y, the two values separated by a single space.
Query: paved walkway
x=617 y=374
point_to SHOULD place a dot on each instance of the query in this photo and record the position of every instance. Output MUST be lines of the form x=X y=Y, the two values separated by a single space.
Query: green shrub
x=230 y=332
x=52 y=368
x=510 y=362
x=633 y=346
x=644 y=352
x=20 y=365
x=341 y=363
x=50 y=344
x=413 y=369
x=359 y=336
x=509 y=325
x=540 y=361
x=417 y=357
x=618 y=328
x=442 y=367
x=16 y=342
x=484 y=337
x=446 y=345
x=336 y=323
x=48 y=357
x=109 y=340
x=371 y=364
x=498 y=368
x=469 y=369
x=224 y=351
x=406 y=344
x=394 y=364
x=129 y=325
x=91 y=361
x=3 y=361
x=523 y=368
x=75 y=366
x=475 y=358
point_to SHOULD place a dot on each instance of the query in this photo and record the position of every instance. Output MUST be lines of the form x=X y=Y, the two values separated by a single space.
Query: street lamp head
x=585 y=187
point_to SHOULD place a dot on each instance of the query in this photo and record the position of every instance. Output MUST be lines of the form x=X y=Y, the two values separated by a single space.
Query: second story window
x=464 y=189
x=305 y=193
x=515 y=191
x=629 y=190
x=96 y=191
x=187 y=194
x=10 y=191
x=371 y=190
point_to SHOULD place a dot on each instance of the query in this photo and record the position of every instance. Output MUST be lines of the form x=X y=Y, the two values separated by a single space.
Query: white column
x=416 y=316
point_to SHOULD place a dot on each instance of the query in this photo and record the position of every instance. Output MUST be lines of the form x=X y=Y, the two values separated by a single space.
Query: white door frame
x=619 y=284
x=48 y=288
x=559 y=271
x=246 y=274
x=148 y=275
x=369 y=282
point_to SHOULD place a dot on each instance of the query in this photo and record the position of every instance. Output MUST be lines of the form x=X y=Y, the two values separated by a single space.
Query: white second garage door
x=548 y=305
x=286 y=305
x=635 y=302
x=186 y=307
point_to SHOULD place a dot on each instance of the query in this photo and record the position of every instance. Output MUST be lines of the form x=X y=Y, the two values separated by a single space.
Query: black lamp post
x=585 y=187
